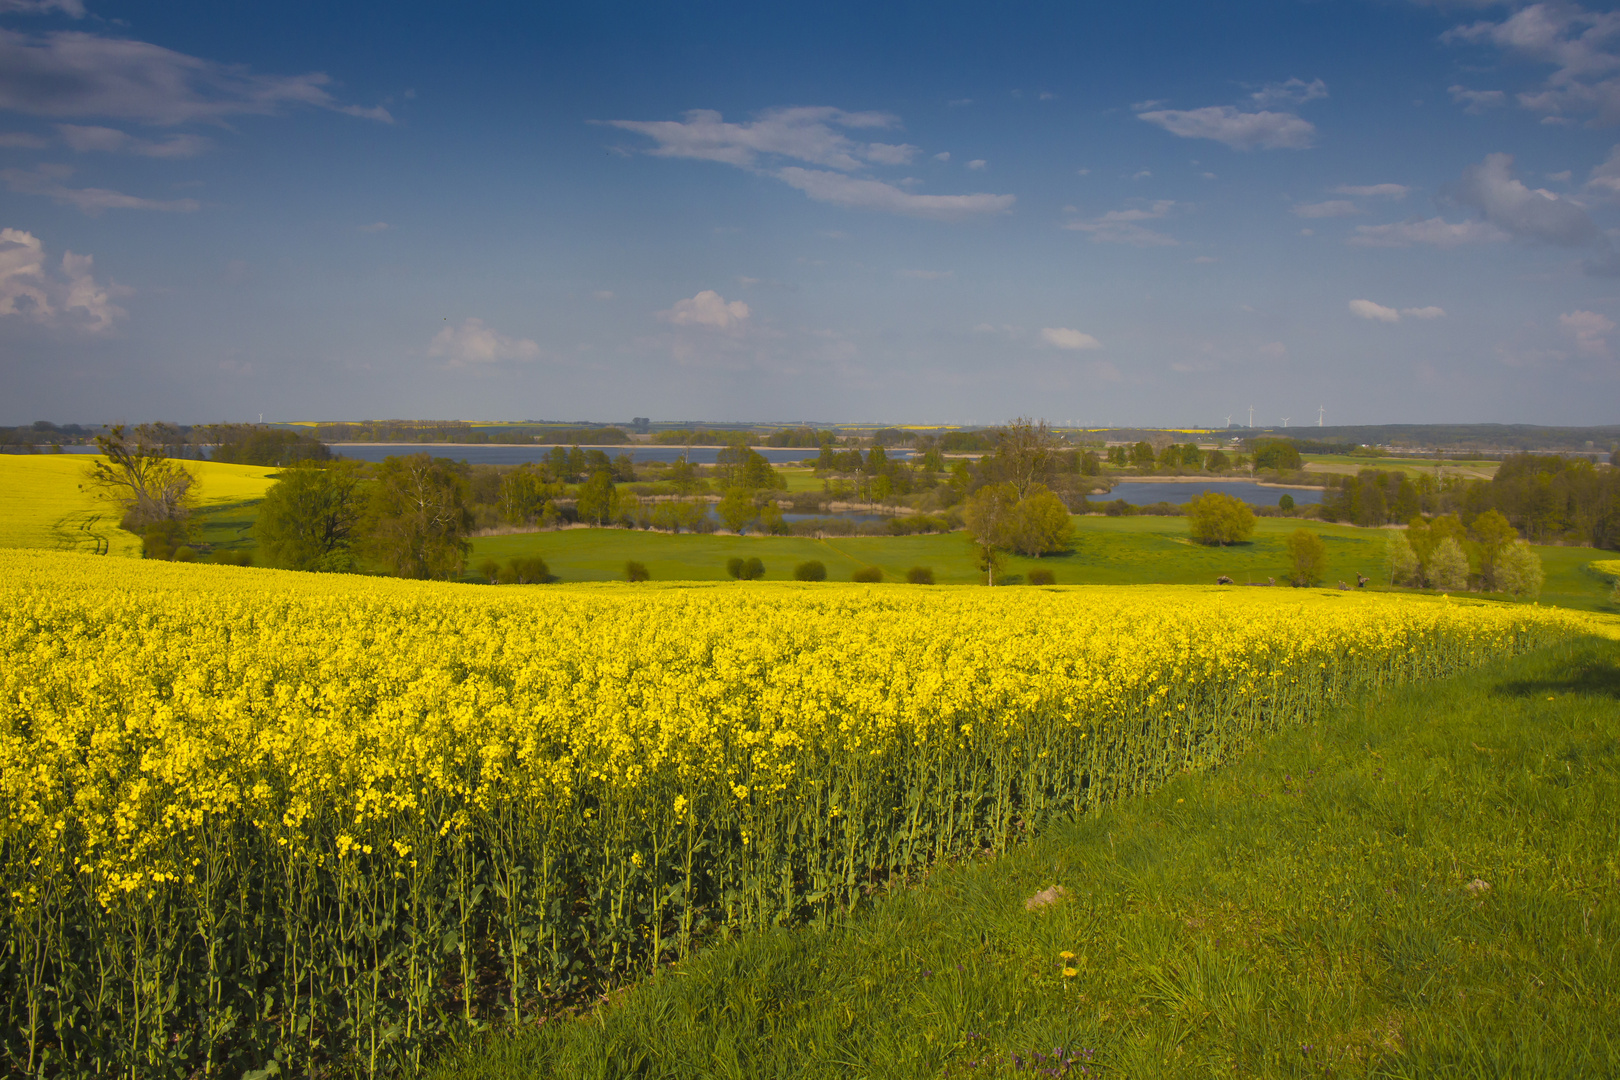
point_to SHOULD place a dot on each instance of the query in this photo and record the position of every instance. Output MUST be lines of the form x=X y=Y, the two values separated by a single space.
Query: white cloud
x=1124 y=226
x=1604 y=180
x=472 y=344
x=1384 y=191
x=977 y=164
x=943 y=155
x=70 y=74
x=1367 y=309
x=1577 y=43
x=1477 y=101
x=707 y=308
x=1275 y=350
x=812 y=135
x=1331 y=208
x=928 y=275
x=47 y=180
x=1538 y=215
x=374 y=227
x=1434 y=232
x=885 y=154
x=112 y=141
x=1292 y=92
x=1588 y=329
x=29 y=290
x=1239 y=130
x=864 y=194
x=71 y=8
x=602 y=294
x=802 y=133
x=1061 y=337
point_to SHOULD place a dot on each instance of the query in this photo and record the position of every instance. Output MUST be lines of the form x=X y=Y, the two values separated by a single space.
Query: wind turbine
x=1285 y=421
x=1251 y=416
x=1320 y=409
x=1228 y=421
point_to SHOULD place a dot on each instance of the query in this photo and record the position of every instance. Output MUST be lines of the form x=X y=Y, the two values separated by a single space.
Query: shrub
x=1518 y=569
x=525 y=570
x=635 y=571
x=1309 y=556
x=868 y=575
x=1448 y=566
x=734 y=567
x=1041 y=577
x=489 y=570
x=1286 y=503
x=1220 y=519
x=920 y=575
x=753 y=570
x=1118 y=508
x=813 y=570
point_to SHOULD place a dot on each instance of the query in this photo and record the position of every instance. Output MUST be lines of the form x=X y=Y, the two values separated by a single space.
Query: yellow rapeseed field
x=251 y=814
x=46 y=506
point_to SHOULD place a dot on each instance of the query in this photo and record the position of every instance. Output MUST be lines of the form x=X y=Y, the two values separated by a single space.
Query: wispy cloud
x=1477 y=101
x=1061 y=337
x=77 y=74
x=1329 y=209
x=1430 y=232
x=1367 y=309
x=1292 y=92
x=1578 y=44
x=815 y=136
x=1589 y=329
x=1384 y=191
x=1264 y=130
x=86 y=139
x=1125 y=226
x=927 y=275
x=47 y=180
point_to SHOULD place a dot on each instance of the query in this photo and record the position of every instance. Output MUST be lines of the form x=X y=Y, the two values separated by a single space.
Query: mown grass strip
x=1427 y=884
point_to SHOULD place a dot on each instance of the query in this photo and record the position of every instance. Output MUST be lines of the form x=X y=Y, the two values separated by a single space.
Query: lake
x=490 y=454
x=1182 y=492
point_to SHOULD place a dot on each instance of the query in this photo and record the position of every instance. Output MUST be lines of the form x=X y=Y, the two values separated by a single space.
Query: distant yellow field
x=1609 y=567
x=45 y=505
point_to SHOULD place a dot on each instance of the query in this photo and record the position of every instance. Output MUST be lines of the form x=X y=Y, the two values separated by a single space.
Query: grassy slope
x=1108 y=551
x=45 y=507
x=1311 y=911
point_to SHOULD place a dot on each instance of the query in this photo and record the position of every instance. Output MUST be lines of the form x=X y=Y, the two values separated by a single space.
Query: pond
x=1181 y=492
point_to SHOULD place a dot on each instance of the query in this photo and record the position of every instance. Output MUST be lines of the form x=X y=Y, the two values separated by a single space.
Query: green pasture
x=1481 y=470
x=1420 y=885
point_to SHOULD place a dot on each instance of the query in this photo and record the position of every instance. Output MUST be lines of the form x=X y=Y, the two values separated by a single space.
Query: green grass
x=1410 y=465
x=1319 y=909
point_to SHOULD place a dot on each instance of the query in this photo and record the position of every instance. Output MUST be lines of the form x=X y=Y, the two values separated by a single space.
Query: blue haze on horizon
x=1161 y=213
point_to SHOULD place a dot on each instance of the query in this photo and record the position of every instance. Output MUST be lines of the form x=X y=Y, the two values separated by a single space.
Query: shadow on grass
x=1591 y=677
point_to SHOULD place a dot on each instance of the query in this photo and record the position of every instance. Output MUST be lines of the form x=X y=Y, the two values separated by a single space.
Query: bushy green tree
x=867 y=575
x=309 y=517
x=811 y=570
x=597 y=501
x=1279 y=454
x=737 y=509
x=920 y=575
x=990 y=517
x=1401 y=561
x=1308 y=556
x=1518 y=569
x=1448 y=565
x=1491 y=534
x=1041 y=524
x=636 y=571
x=1217 y=518
x=416 y=521
x=1142 y=455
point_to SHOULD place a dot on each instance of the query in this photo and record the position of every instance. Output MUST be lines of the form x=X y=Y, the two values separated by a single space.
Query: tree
x=524 y=494
x=1217 y=461
x=1142 y=455
x=1279 y=454
x=136 y=474
x=1040 y=524
x=308 y=518
x=737 y=509
x=254 y=444
x=636 y=571
x=1518 y=569
x=1401 y=560
x=920 y=575
x=597 y=500
x=1493 y=534
x=1286 y=504
x=1309 y=557
x=989 y=514
x=1216 y=518
x=1448 y=565
x=813 y=570
x=416 y=521
x=1025 y=453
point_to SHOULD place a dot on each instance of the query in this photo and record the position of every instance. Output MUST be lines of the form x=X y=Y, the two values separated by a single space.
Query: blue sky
x=1158 y=213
